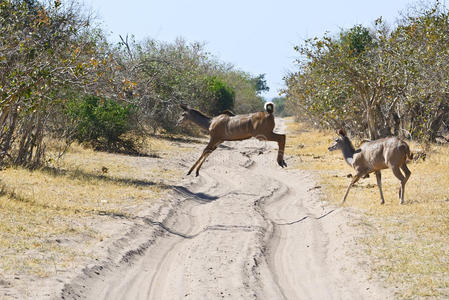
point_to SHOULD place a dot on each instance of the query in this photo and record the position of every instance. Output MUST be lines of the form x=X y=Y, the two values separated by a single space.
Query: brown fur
x=227 y=112
x=374 y=156
x=229 y=127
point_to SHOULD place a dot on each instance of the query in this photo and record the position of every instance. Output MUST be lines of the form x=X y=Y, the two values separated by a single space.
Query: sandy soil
x=243 y=229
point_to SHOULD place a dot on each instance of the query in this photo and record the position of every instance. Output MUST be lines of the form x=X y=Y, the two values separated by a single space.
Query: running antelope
x=374 y=156
x=230 y=127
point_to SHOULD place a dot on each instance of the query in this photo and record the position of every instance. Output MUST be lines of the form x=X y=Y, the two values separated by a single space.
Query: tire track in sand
x=231 y=245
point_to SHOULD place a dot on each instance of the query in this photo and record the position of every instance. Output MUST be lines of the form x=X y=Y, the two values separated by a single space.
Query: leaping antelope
x=230 y=127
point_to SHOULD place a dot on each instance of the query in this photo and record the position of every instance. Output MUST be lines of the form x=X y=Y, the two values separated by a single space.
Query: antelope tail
x=407 y=150
x=409 y=153
x=269 y=107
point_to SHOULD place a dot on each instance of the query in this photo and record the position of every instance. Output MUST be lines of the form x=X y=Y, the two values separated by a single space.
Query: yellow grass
x=408 y=244
x=48 y=215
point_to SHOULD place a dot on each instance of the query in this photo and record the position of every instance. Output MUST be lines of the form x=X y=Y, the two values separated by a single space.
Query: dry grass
x=409 y=244
x=48 y=216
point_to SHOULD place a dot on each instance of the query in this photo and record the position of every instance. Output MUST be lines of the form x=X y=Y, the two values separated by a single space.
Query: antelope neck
x=348 y=151
x=200 y=119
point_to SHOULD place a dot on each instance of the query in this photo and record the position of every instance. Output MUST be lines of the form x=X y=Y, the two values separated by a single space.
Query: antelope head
x=338 y=142
x=185 y=116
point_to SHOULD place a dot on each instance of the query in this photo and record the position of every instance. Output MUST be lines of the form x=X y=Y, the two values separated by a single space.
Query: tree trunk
x=27 y=132
x=6 y=140
x=370 y=120
x=396 y=123
x=434 y=127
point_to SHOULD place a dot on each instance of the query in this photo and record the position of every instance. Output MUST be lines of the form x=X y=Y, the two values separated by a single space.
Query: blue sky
x=256 y=36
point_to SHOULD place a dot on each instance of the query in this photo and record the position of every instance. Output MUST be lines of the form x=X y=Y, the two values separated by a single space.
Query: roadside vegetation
x=60 y=77
x=67 y=93
x=376 y=82
x=51 y=217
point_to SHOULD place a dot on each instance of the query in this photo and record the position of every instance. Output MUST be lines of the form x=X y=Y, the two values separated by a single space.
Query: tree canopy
x=377 y=81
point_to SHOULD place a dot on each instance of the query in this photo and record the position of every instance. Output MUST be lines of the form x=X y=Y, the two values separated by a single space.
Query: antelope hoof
x=188 y=173
x=197 y=174
x=282 y=163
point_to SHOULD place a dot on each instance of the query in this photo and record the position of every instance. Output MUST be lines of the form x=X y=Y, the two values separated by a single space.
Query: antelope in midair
x=230 y=127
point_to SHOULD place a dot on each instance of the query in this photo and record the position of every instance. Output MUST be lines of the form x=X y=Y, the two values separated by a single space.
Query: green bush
x=222 y=96
x=101 y=123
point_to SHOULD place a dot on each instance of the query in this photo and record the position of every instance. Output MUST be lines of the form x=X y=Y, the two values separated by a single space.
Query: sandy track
x=244 y=229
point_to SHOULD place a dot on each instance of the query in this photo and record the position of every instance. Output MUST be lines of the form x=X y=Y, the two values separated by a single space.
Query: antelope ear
x=341 y=132
x=183 y=106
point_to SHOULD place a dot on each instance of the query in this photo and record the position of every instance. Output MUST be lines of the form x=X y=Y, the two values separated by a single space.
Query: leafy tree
x=42 y=49
x=247 y=98
x=356 y=40
x=420 y=44
x=260 y=84
x=340 y=80
x=221 y=96
x=377 y=81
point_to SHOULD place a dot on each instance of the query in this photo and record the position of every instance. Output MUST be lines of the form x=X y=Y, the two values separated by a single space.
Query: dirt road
x=243 y=229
